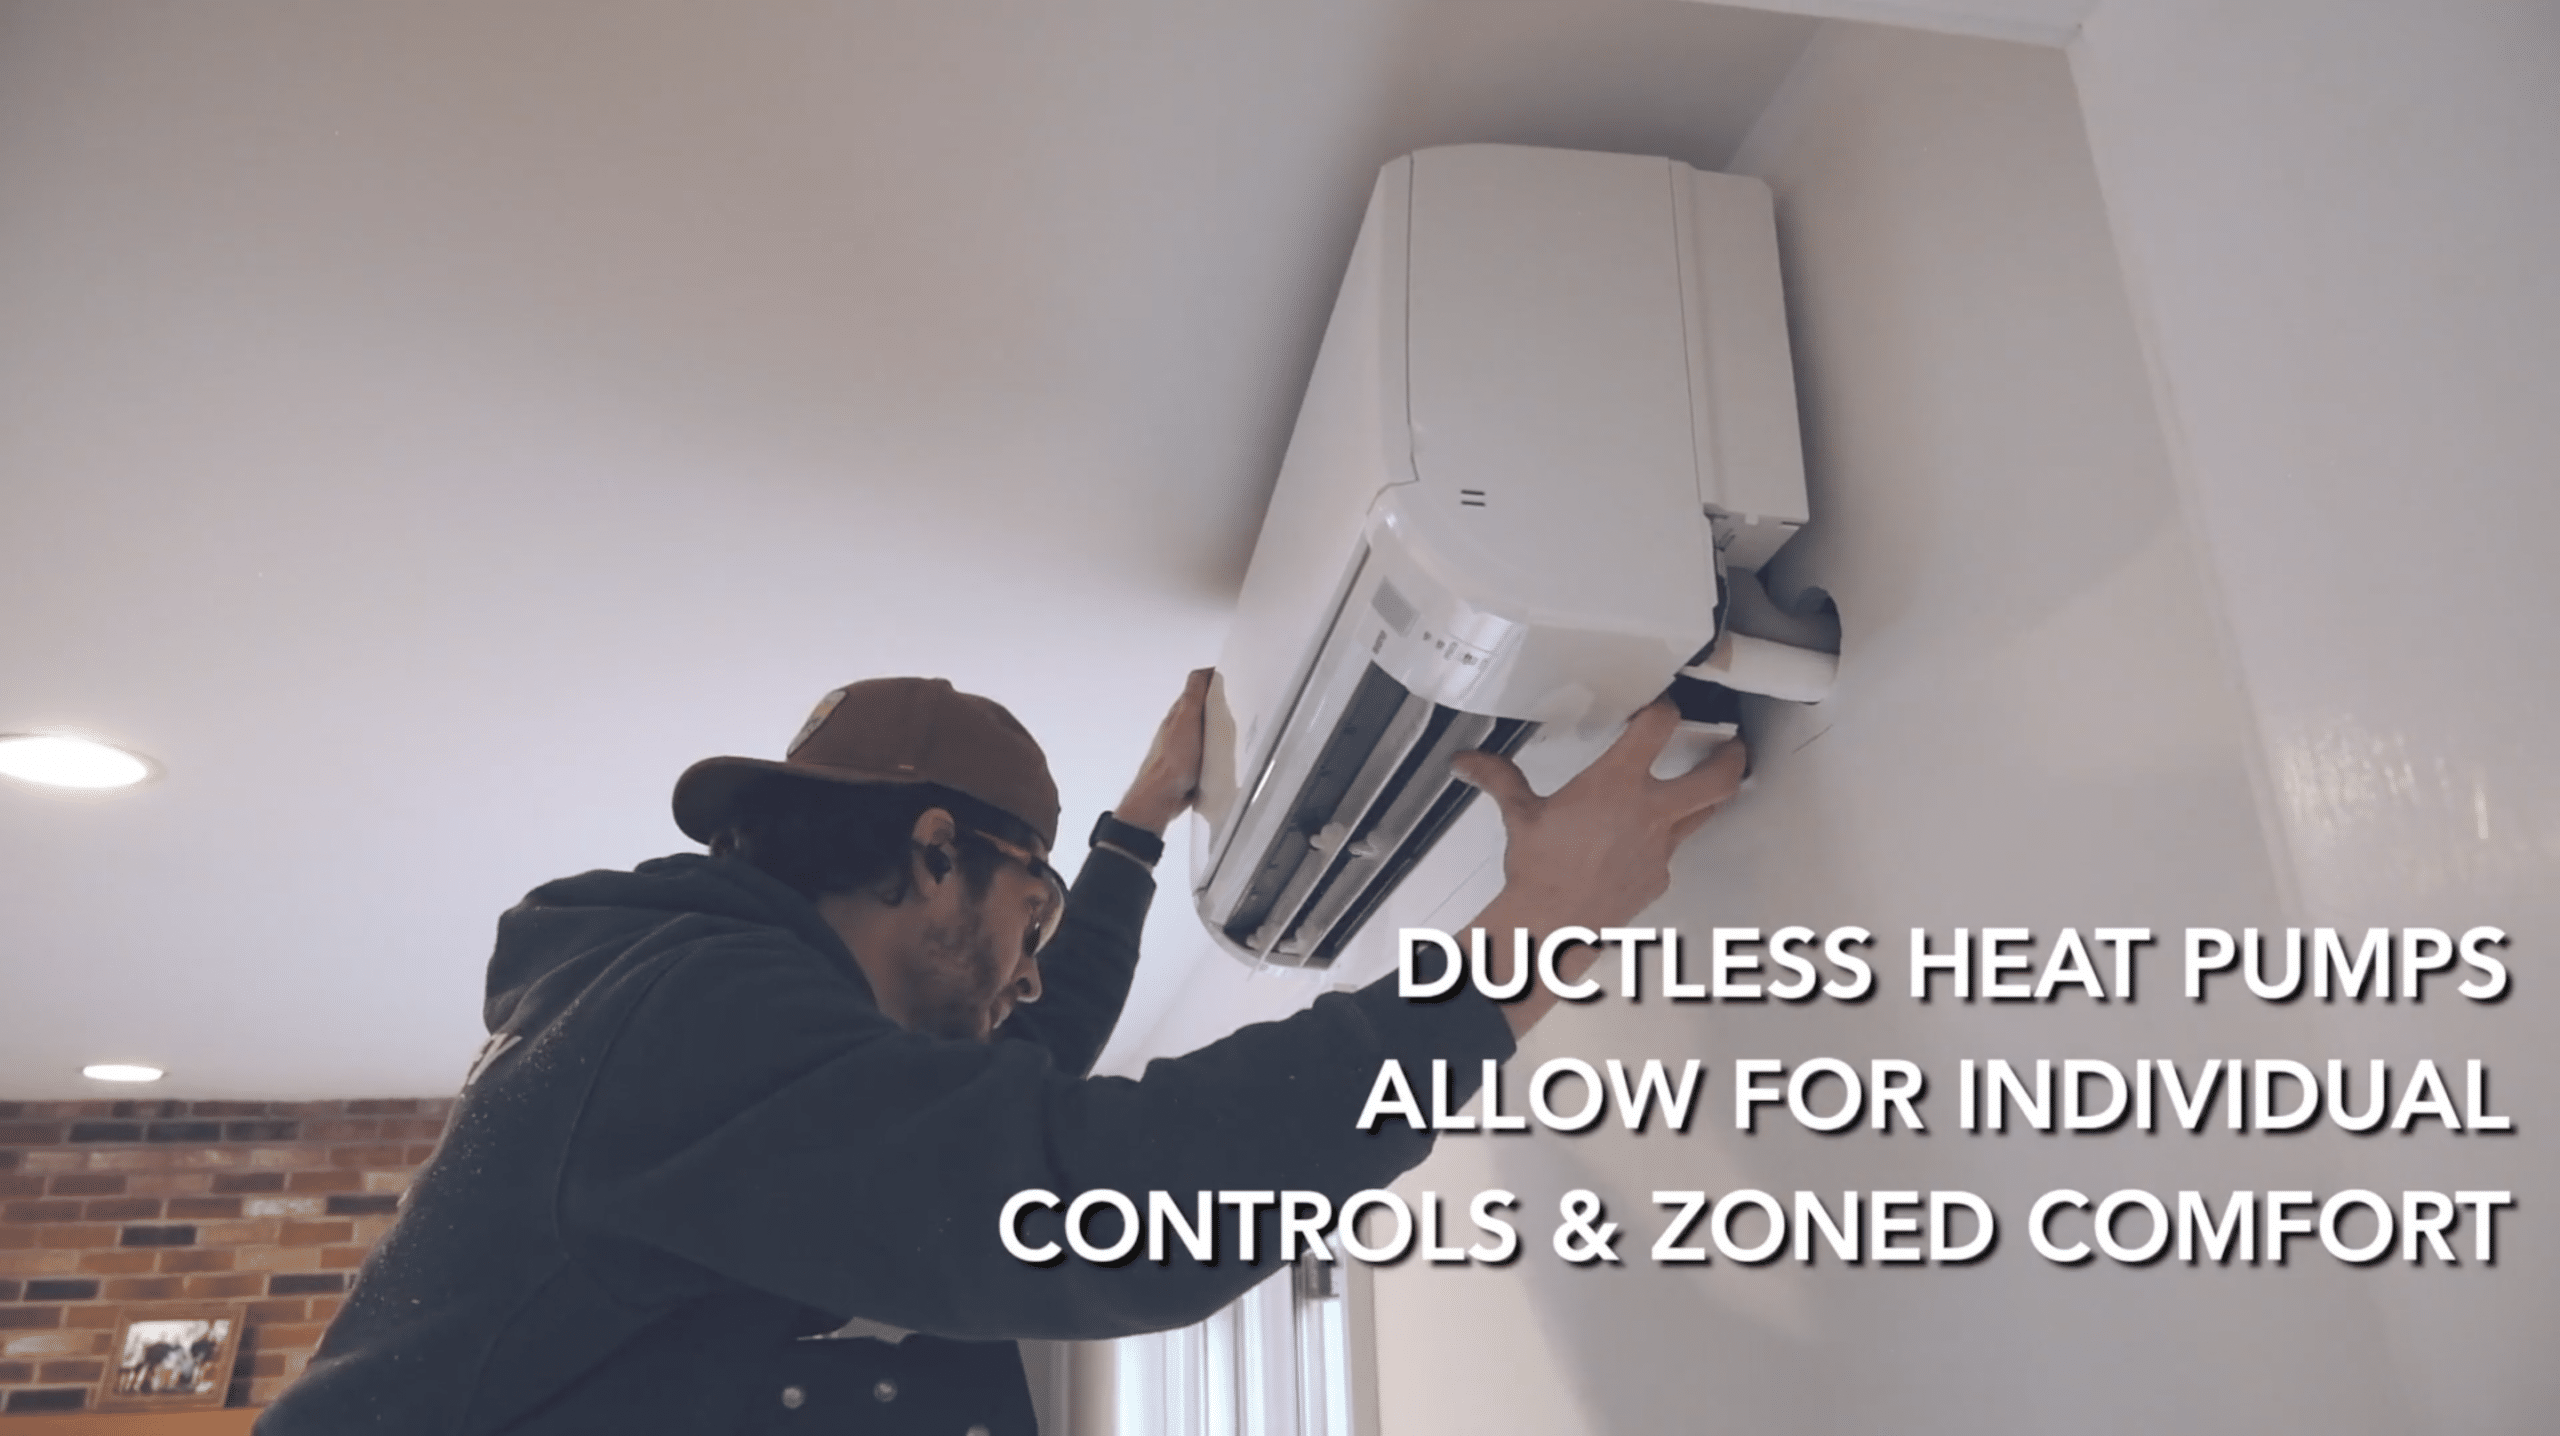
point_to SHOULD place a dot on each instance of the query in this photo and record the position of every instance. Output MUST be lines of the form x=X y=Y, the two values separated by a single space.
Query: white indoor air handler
x=1553 y=410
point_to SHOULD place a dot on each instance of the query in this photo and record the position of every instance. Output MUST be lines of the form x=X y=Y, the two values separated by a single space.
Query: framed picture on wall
x=171 y=1359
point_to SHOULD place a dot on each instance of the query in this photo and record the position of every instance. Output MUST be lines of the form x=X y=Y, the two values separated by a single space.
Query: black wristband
x=1129 y=838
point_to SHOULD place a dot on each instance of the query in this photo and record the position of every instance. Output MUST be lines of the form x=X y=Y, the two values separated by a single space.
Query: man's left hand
x=1170 y=776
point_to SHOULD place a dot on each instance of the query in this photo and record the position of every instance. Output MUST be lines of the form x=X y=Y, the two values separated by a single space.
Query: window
x=1276 y=1362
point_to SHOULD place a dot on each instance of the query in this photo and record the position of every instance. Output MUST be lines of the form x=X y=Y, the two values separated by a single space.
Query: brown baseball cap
x=891 y=730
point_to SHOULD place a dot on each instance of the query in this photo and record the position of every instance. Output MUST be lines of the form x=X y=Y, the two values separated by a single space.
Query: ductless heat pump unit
x=1552 y=408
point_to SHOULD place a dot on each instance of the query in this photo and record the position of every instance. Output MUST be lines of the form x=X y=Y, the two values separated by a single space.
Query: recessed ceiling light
x=61 y=762
x=122 y=1072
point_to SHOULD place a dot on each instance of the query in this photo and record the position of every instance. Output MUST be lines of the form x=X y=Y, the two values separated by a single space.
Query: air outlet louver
x=1377 y=798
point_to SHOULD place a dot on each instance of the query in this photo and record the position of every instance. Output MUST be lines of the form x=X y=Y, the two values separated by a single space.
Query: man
x=733 y=1102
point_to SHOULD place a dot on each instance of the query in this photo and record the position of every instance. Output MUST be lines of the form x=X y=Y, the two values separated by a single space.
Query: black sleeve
x=760 y=1120
x=1086 y=968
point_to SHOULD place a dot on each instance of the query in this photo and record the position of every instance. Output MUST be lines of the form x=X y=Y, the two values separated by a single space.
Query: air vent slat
x=1507 y=737
x=1420 y=782
x=1377 y=799
x=1334 y=829
x=1377 y=707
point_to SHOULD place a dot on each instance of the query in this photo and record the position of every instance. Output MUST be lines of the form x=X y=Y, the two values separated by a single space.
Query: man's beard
x=958 y=979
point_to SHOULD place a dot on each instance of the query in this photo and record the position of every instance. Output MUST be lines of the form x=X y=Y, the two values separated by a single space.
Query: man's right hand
x=1596 y=851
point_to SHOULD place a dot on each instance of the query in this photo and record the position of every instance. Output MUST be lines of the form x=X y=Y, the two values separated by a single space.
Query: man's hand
x=1170 y=776
x=1597 y=850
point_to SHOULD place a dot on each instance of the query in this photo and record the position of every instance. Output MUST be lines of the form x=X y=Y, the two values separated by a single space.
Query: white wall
x=2039 y=723
x=2337 y=222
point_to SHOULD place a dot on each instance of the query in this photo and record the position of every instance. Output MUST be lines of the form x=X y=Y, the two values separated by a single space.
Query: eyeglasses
x=1038 y=868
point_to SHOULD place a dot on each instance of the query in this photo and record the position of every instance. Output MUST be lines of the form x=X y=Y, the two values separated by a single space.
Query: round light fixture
x=63 y=762
x=122 y=1072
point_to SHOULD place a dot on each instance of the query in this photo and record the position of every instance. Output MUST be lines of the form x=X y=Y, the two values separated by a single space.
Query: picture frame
x=173 y=1358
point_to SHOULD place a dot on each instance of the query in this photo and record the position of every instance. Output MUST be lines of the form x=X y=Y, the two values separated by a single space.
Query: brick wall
x=111 y=1207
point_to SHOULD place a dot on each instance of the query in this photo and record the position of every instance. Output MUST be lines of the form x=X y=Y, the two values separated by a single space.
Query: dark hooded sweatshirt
x=693 y=1139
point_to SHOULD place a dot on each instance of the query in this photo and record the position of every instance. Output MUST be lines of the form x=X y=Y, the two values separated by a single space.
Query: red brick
x=30 y=1318
x=37 y=1399
x=136 y=1110
x=187 y=1259
x=278 y=1310
x=122 y=1209
x=232 y=1109
x=214 y=1288
x=68 y=1371
x=157 y=1236
x=377 y=1156
x=59 y=1343
x=91 y=1316
x=121 y=1263
x=267 y=1363
x=414 y=1129
x=17 y=1373
x=39 y=1264
x=31 y=1134
x=248 y=1182
x=190 y=1208
x=79 y=1237
x=285 y=1159
x=324 y=1309
x=21 y=1186
x=315 y=1234
x=17 y=1238
x=343 y=1258
x=51 y=1289
x=307 y=1283
x=262 y=1392
x=275 y=1258
x=255 y=1232
x=198 y=1159
x=333 y=1181
x=40 y=1212
x=134 y=1159
x=418 y=1153
x=168 y=1184
x=290 y=1336
x=383 y=1107
x=145 y=1288
x=88 y=1184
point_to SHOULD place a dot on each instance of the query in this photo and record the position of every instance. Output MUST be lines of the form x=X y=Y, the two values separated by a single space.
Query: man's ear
x=933 y=835
x=934 y=828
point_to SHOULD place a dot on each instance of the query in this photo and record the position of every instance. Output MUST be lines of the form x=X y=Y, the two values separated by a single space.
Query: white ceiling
x=425 y=429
